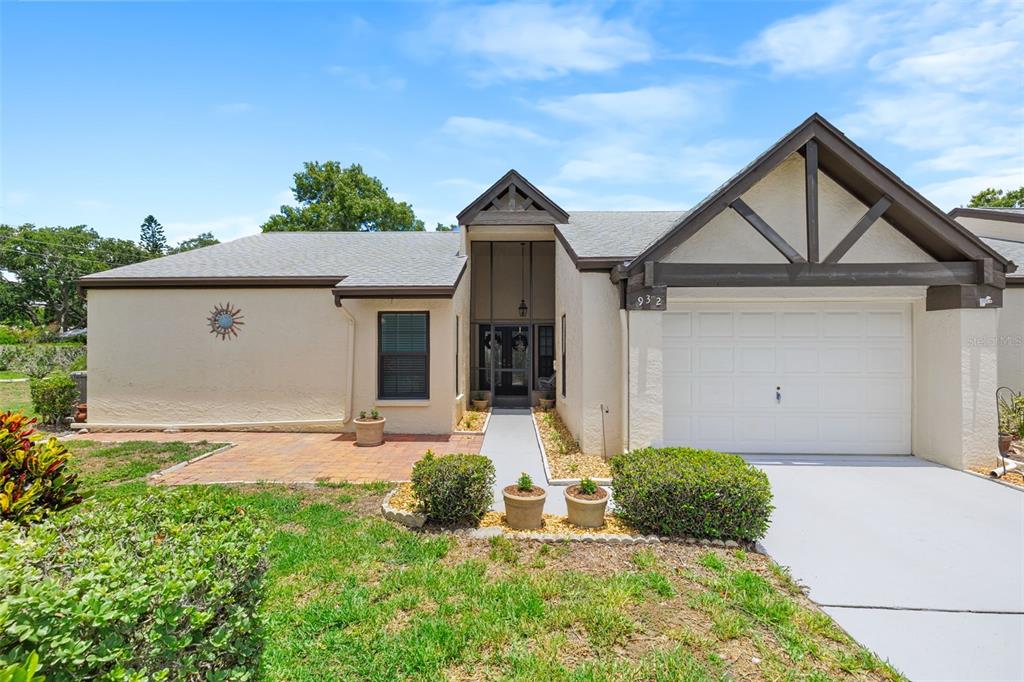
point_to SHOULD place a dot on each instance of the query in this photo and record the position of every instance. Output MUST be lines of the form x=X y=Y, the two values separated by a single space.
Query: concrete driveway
x=922 y=564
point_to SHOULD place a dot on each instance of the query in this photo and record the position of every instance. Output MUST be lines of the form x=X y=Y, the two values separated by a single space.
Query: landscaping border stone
x=547 y=467
x=416 y=521
x=182 y=465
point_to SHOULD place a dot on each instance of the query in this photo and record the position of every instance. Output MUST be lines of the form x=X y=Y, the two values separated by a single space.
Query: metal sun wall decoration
x=225 y=320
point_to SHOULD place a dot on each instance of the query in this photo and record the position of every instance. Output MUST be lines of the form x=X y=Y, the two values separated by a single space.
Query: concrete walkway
x=922 y=564
x=511 y=443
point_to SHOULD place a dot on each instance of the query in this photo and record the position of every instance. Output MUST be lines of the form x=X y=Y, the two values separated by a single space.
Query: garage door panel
x=843 y=370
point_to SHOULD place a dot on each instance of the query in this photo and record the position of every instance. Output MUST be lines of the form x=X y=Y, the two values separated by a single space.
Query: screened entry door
x=508 y=349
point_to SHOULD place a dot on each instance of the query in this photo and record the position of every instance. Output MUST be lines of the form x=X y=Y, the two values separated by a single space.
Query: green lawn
x=12 y=375
x=348 y=595
x=15 y=397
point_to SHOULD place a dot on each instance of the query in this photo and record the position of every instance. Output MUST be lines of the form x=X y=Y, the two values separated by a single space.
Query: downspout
x=350 y=357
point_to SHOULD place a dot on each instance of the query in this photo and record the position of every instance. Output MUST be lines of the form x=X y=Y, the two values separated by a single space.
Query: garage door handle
x=778 y=394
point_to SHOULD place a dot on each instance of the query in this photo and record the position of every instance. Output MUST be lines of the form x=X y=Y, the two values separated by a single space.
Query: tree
x=441 y=227
x=151 y=237
x=197 y=242
x=43 y=264
x=997 y=198
x=345 y=199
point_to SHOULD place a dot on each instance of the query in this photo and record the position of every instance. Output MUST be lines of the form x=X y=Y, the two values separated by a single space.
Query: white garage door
x=788 y=377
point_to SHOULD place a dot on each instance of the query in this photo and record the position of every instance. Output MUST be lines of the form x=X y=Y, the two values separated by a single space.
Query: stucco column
x=955 y=381
x=645 y=378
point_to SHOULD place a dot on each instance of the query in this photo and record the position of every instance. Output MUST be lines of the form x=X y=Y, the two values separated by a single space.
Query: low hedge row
x=158 y=587
x=39 y=359
x=699 y=493
x=454 y=488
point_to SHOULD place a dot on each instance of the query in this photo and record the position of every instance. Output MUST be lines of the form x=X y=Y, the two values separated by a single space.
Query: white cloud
x=810 y=43
x=226 y=228
x=537 y=40
x=948 y=194
x=369 y=81
x=667 y=103
x=472 y=129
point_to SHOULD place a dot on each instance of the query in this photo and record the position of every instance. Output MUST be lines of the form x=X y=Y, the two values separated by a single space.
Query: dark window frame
x=561 y=364
x=381 y=354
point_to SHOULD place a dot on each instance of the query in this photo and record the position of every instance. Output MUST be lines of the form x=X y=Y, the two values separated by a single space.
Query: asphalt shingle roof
x=1009 y=249
x=616 y=234
x=379 y=259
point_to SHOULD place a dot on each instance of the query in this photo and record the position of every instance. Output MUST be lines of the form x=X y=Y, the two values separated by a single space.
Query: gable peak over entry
x=512 y=200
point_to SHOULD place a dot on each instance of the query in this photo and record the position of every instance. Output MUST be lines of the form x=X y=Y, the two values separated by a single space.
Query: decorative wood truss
x=966 y=272
x=513 y=200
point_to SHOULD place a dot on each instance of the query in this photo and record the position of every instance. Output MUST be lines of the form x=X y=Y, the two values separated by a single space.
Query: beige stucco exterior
x=288 y=368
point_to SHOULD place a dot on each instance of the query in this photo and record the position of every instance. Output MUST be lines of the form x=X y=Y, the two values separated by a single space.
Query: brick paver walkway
x=298 y=457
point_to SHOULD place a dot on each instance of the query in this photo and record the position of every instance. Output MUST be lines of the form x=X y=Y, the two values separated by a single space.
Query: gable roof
x=1010 y=215
x=349 y=260
x=513 y=199
x=856 y=171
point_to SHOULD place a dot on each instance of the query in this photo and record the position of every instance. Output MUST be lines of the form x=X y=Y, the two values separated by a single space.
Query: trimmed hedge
x=54 y=397
x=454 y=488
x=699 y=493
x=39 y=359
x=159 y=587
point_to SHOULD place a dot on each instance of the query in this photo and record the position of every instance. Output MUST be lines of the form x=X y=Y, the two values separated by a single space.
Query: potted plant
x=524 y=504
x=586 y=502
x=547 y=400
x=481 y=399
x=370 y=428
x=1011 y=422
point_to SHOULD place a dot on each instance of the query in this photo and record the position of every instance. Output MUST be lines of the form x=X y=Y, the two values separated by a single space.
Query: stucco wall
x=153 y=361
x=645 y=379
x=601 y=374
x=569 y=302
x=1010 y=340
x=779 y=199
x=996 y=229
x=955 y=380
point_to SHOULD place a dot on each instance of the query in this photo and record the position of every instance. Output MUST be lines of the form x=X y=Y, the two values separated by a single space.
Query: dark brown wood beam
x=811 y=274
x=811 y=191
x=963 y=296
x=773 y=237
x=866 y=221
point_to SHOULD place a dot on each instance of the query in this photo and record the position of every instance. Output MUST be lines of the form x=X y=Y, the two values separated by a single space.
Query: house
x=814 y=303
x=1003 y=230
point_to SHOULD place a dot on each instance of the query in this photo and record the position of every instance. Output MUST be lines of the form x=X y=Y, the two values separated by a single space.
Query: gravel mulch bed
x=563 y=452
x=1014 y=478
x=472 y=420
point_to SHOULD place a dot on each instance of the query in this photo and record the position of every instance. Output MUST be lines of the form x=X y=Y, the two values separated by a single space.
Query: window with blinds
x=403 y=356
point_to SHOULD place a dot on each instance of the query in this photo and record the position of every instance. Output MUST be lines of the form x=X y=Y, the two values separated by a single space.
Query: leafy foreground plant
x=161 y=586
x=35 y=479
x=454 y=488
x=701 y=493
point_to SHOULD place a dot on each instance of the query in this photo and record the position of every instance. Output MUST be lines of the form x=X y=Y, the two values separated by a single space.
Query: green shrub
x=39 y=359
x=524 y=483
x=78 y=364
x=35 y=476
x=9 y=335
x=159 y=587
x=54 y=397
x=701 y=493
x=453 y=488
x=23 y=672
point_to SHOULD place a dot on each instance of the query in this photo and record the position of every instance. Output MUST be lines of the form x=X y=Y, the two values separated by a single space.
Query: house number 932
x=653 y=298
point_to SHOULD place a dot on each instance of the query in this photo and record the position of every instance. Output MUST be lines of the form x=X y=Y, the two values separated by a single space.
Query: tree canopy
x=40 y=265
x=997 y=198
x=197 y=242
x=332 y=198
x=151 y=237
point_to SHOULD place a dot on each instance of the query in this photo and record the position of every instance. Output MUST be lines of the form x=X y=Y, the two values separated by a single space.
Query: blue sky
x=200 y=113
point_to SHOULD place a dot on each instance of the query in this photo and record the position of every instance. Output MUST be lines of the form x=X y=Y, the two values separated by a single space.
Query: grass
x=5 y=374
x=15 y=397
x=348 y=595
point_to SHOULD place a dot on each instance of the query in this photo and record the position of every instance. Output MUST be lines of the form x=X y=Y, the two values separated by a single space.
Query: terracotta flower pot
x=1005 y=441
x=481 y=405
x=547 y=403
x=524 y=511
x=370 y=432
x=583 y=512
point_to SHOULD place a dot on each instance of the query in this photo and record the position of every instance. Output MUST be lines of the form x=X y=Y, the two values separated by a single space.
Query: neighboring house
x=812 y=304
x=1003 y=230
